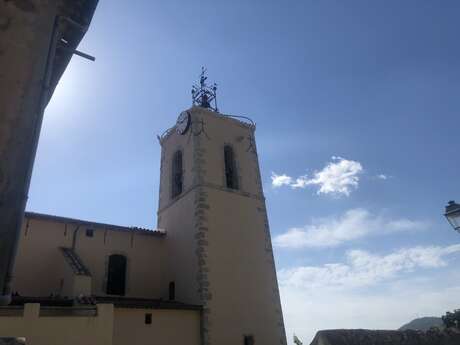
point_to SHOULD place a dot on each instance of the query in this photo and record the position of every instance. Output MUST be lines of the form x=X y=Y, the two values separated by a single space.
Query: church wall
x=68 y=277
x=181 y=262
x=81 y=285
x=40 y=265
x=145 y=258
x=168 y=327
x=41 y=269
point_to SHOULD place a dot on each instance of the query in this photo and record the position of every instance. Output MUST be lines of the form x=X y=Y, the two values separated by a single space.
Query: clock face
x=183 y=122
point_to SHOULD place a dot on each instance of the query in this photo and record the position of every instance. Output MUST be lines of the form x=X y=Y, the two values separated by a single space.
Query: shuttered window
x=177 y=175
x=231 y=176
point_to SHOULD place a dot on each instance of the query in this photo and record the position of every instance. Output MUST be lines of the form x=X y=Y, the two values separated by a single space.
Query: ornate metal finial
x=203 y=95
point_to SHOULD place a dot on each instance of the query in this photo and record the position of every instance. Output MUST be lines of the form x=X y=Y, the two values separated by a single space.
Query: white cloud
x=369 y=291
x=333 y=231
x=404 y=225
x=382 y=177
x=280 y=180
x=338 y=177
x=301 y=182
x=363 y=268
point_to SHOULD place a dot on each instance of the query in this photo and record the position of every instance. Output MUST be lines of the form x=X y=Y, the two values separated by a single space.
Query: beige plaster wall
x=168 y=327
x=40 y=265
x=181 y=263
x=81 y=285
x=117 y=326
x=72 y=284
x=242 y=280
x=41 y=268
x=145 y=260
x=67 y=283
x=59 y=330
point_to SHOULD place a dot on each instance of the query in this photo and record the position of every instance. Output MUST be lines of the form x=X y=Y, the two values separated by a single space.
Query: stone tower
x=212 y=207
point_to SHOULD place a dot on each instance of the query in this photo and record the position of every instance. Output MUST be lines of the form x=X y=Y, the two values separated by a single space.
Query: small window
x=172 y=291
x=148 y=319
x=89 y=232
x=249 y=340
x=231 y=176
x=177 y=175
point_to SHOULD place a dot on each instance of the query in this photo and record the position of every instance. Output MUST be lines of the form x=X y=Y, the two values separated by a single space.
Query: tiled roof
x=118 y=302
x=137 y=230
x=44 y=301
x=126 y=302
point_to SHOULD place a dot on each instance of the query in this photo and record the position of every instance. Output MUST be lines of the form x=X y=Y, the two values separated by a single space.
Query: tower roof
x=203 y=95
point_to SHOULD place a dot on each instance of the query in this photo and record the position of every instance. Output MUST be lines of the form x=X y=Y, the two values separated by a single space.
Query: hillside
x=381 y=337
x=423 y=324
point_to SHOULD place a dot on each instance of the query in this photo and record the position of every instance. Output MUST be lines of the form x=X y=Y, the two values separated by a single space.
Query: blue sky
x=373 y=84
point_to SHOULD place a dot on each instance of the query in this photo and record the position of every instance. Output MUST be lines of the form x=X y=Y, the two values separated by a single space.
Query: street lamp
x=453 y=214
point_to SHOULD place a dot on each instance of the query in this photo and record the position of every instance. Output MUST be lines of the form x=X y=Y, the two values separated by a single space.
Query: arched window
x=231 y=176
x=116 y=278
x=177 y=175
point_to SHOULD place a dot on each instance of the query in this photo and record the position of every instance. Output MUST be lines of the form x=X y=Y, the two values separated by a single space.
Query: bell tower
x=212 y=207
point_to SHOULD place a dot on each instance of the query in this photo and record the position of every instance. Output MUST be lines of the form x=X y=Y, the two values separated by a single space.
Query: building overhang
x=66 y=220
x=118 y=302
x=75 y=17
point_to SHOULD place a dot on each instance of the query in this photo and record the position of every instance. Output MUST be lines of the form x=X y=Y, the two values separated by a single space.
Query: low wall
x=167 y=327
x=58 y=325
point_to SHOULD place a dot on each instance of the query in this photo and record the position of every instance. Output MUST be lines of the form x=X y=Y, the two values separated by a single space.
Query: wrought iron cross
x=204 y=95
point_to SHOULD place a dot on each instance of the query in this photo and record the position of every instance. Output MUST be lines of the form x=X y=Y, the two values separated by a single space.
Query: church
x=206 y=275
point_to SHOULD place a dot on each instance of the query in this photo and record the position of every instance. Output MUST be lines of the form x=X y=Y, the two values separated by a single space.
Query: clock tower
x=212 y=207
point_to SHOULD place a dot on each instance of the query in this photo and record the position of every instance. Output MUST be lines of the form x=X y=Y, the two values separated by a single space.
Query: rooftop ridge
x=145 y=231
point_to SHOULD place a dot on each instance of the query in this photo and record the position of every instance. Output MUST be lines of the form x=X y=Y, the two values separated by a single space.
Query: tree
x=452 y=319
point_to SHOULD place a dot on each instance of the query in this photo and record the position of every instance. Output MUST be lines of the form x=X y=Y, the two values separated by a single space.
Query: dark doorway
x=116 y=279
x=249 y=340
x=172 y=291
